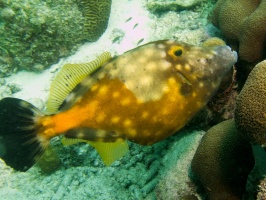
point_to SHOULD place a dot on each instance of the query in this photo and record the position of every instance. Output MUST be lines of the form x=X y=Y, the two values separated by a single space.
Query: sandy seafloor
x=155 y=172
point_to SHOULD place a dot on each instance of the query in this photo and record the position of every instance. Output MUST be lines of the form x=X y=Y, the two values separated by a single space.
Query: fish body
x=144 y=95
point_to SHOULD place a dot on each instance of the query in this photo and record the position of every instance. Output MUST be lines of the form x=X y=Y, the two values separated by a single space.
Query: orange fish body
x=144 y=95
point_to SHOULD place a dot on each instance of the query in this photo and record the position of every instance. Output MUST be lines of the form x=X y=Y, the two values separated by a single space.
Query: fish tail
x=20 y=143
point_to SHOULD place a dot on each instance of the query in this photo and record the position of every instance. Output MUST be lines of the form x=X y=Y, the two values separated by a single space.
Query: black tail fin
x=19 y=143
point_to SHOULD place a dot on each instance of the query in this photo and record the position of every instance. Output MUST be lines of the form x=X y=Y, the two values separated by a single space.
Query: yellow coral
x=243 y=21
x=250 y=114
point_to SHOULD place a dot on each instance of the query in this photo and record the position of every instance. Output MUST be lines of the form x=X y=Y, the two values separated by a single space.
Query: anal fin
x=111 y=151
x=109 y=147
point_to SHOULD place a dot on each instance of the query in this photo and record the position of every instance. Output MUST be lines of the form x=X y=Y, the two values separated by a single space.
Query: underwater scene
x=132 y=100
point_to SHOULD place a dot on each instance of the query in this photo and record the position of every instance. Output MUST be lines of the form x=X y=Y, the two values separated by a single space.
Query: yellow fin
x=68 y=78
x=110 y=151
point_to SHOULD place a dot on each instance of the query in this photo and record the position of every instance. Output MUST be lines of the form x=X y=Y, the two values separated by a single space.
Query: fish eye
x=178 y=52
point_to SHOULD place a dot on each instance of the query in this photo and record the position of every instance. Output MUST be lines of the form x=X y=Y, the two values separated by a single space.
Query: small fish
x=140 y=41
x=128 y=19
x=144 y=95
x=135 y=25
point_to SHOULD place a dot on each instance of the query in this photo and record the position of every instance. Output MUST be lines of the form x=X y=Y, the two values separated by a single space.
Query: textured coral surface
x=223 y=161
x=243 y=22
x=96 y=17
x=250 y=114
x=35 y=33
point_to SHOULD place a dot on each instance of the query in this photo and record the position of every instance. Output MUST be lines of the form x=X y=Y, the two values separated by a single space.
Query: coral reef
x=176 y=5
x=250 y=114
x=189 y=26
x=96 y=16
x=36 y=33
x=243 y=21
x=223 y=161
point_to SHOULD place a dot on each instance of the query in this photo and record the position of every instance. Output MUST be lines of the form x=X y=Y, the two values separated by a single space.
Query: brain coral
x=250 y=114
x=97 y=15
x=223 y=161
x=243 y=22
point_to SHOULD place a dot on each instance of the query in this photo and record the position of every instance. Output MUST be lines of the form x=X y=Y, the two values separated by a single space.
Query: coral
x=223 y=161
x=243 y=21
x=49 y=162
x=175 y=182
x=160 y=5
x=250 y=114
x=262 y=190
x=96 y=16
x=36 y=33
x=214 y=41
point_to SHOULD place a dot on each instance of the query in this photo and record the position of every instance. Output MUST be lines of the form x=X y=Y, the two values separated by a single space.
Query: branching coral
x=243 y=21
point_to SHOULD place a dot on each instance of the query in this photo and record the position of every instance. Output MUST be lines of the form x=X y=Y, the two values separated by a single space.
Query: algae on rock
x=36 y=33
x=174 y=5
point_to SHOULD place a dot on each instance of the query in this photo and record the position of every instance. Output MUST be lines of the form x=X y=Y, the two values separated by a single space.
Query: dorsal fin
x=67 y=79
x=109 y=151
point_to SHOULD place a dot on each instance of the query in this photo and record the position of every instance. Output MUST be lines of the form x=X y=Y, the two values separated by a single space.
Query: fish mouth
x=234 y=53
x=183 y=78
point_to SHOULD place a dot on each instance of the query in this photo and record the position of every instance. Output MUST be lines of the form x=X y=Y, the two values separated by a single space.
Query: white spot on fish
x=146 y=81
x=203 y=61
x=187 y=67
x=201 y=84
x=166 y=65
x=170 y=42
x=151 y=66
x=148 y=53
x=132 y=132
x=115 y=119
x=145 y=114
x=178 y=67
x=161 y=46
x=127 y=122
x=103 y=89
x=125 y=101
x=116 y=94
x=163 y=54
x=80 y=135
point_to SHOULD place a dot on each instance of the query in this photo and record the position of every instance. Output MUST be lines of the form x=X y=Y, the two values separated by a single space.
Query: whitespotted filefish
x=144 y=95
